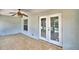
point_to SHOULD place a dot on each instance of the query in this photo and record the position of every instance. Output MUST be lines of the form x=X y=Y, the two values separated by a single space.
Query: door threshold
x=52 y=44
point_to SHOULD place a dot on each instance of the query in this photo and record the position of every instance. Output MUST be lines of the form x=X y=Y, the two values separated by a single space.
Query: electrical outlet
x=32 y=34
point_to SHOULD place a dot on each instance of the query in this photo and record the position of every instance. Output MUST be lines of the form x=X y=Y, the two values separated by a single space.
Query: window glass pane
x=26 y=24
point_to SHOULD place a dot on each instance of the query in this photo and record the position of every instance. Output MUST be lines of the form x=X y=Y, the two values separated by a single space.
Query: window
x=26 y=24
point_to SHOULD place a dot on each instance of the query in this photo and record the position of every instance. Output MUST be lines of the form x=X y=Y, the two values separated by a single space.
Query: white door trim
x=40 y=27
x=48 y=32
x=60 y=29
x=22 y=23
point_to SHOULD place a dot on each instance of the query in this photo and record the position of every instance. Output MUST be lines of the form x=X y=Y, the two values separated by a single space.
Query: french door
x=43 y=28
x=50 y=29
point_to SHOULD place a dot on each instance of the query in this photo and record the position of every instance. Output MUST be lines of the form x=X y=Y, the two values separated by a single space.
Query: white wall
x=33 y=26
x=70 y=27
x=9 y=25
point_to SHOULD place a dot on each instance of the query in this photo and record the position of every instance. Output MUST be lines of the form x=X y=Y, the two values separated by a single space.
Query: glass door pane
x=43 y=27
x=54 y=28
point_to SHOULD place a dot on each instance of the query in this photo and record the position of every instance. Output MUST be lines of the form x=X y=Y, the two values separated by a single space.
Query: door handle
x=48 y=29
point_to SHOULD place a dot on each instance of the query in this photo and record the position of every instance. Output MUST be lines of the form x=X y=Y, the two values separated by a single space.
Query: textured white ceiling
x=7 y=11
x=36 y=10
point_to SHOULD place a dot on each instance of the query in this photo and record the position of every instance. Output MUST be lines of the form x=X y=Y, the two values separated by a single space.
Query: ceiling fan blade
x=25 y=15
x=13 y=14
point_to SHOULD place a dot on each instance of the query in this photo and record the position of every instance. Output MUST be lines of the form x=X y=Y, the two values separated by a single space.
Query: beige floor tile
x=23 y=42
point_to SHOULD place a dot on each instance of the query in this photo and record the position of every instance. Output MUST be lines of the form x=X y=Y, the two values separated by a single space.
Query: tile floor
x=23 y=42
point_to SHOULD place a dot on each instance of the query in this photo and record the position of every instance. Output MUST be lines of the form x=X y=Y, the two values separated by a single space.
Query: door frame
x=40 y=28
x=48 y=32
x=60 y=29
x=22 y=24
